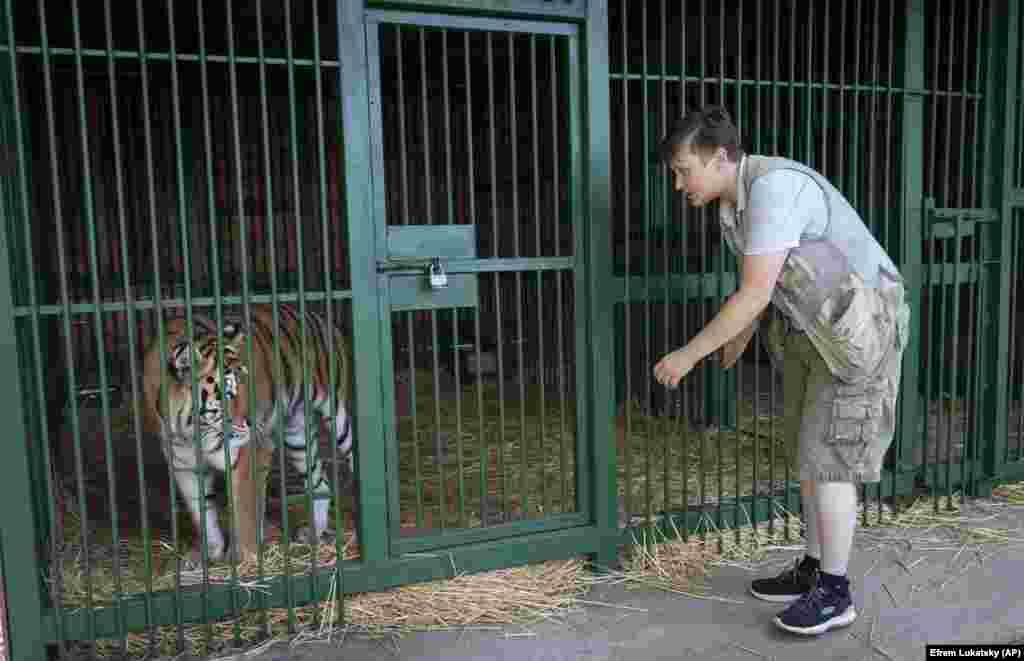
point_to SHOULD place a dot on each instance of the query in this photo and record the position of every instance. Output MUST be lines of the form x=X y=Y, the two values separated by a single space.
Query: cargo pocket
x=861 y=334
x=858 y=422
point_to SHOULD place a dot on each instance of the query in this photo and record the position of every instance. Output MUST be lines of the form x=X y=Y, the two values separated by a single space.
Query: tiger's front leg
x=193 y=484
x=248 y=492
x=305 y=458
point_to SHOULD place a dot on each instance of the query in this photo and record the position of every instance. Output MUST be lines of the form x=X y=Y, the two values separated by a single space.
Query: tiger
x=260 y=400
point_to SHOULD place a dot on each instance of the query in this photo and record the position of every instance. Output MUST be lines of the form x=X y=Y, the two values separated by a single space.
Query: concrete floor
x=911 y=588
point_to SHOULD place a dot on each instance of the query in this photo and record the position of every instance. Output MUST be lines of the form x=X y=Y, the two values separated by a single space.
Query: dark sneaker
x=788 y=586
x=818 y=611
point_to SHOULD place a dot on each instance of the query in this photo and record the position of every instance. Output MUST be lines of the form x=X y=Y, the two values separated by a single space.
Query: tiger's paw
x=193 y=562
x=309 y=535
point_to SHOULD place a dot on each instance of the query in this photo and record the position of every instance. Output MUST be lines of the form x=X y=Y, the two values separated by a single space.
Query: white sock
x=837 y=519
x=807 y=498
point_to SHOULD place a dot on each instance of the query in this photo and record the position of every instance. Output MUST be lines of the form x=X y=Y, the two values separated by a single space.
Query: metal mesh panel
x=175 y=160
x=476 y=135
x=826 y=97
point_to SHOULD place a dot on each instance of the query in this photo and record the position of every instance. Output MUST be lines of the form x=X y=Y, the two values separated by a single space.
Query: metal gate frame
x=32 y=624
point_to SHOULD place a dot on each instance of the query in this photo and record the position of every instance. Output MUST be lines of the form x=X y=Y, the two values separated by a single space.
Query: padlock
x=438 y=278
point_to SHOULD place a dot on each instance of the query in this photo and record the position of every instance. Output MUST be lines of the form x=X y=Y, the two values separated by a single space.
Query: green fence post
x=912 y=417
x=22 y=579
x=366 y=313
x=1001 y=90
x=600 y=267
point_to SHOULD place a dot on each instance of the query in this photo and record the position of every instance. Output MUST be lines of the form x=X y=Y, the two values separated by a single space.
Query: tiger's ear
x=179 y=361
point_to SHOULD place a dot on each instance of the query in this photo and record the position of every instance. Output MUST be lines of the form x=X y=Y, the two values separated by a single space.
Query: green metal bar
x=373 y=59
x=62 y=259
x=10 y=97
x=411 y=316
x=773 y=456
x=183 y=214
x=703 y=269
x=793 y=85
x=661 y=176
x=934 y=188
x=470 y=149
x=416 y=266
x=214 y=256
x=24 y=591
x=97 y=317
x=626 y=197
x=943 y=189
x=725 y=401
x=173 y=303
x=500 y=468
x=864 y=186
x=902 y=411
x=298 y=119
x=557 y=220
x=756 y=401
x=328 y=268
x=305 y=335
x=403 y=162
x=645 y=203
x=570 y=9
x=975 y=377
x=878 y=226
x=460 y=467
x=1016 y=232
x=682 y=262
x=951 y=369
x=236 y=143
x=980 y=375
x=131 y=318
x=1003 y=87
x=386 y=316
x=439 y=453
x=156 y=242
x=756 y=404
x=362 y=200
x=141 y=56
x=934 y=383
x=1018 y=259
x=520 y=338
x=465 y=22
x=964 y=103
x=436 y=540
x=268 y=211
x=911 y=57
x=588 y=116
x=439 y=459
x=446 y=114
x=425 y=100
x=542 y=406
x=1004 y=456
x=715 y=391
x=825 y=61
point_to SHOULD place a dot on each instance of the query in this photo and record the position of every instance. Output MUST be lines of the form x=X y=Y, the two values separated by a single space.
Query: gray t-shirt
x=785 y=206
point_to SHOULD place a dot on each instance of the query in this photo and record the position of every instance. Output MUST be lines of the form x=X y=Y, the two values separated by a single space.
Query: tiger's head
x=218 y=391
